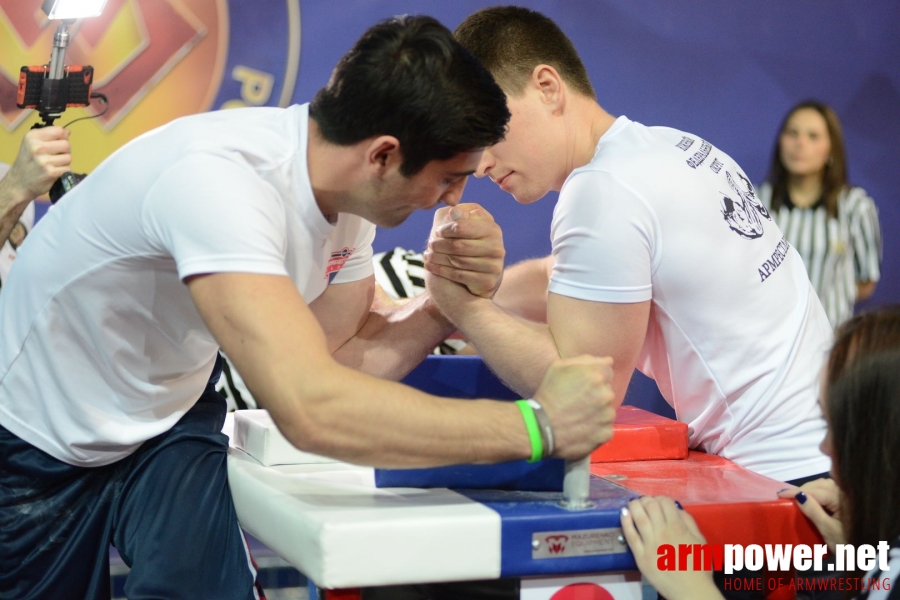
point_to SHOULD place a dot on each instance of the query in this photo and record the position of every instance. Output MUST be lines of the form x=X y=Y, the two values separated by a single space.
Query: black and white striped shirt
x=837 y=253
x=401 y=274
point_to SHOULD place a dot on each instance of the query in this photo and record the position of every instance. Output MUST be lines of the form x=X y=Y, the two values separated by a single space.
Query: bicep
x=523 y=291
x=342 y=309
x=264 y=326
x=600 y=329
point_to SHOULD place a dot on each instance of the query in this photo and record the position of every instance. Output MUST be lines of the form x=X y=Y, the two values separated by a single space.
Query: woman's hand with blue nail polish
x=820 y=501
x=649 y=523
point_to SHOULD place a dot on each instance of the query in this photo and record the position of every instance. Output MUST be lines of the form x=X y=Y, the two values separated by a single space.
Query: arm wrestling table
x=332 y=523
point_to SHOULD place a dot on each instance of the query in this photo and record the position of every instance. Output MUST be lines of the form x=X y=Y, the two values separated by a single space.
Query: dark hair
x=511 y=41
x=407 y=77
x=865 y=334
x=834 y=180
x=863 y=408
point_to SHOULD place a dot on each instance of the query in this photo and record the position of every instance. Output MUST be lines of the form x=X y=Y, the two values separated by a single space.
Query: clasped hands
x=464 y=258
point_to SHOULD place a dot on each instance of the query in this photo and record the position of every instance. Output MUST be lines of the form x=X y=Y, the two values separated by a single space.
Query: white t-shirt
x=736 y=337
x=101 y=346
x=7 y=251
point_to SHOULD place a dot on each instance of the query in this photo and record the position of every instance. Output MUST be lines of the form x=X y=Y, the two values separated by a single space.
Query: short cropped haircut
x=511 y=41
x=407 y=77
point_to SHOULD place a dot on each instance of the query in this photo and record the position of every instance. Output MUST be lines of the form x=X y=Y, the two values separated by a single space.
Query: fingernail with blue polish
x=801 y=497
x=678 y=504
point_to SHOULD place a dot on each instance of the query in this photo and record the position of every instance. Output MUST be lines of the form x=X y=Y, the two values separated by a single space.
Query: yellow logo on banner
x=155 y=60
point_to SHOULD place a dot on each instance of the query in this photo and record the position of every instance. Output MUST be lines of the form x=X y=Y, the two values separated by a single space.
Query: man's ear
x=383 y=154
x=546 y=80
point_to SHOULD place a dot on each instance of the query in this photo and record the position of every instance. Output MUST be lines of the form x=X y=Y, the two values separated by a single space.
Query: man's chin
x=390 y=221
x=526 y=197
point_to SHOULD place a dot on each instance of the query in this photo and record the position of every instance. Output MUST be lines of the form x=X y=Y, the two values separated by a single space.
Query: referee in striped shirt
x=834 y=226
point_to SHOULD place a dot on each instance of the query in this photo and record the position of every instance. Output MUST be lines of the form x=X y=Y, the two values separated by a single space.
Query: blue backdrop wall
x=727 y=71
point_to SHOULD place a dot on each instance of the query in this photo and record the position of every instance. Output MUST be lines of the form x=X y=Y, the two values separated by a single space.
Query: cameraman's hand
x=576 y=395
x=43 y=157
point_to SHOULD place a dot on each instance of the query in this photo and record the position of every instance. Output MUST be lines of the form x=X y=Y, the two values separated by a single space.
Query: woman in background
x=833 y=225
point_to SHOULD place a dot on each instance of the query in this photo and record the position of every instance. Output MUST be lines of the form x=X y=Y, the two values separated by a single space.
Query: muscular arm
x=389 y=339
x=520 y=351
x=601 y=329
x=383 y=339
x=517 y=350
x=321 y=406
x=523 y=291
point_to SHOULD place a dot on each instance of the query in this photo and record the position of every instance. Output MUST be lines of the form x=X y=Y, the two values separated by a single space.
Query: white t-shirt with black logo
x=736 y=337
x=102 y=347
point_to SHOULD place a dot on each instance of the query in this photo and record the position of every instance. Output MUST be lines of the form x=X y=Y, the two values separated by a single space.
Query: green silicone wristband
x=534 y=430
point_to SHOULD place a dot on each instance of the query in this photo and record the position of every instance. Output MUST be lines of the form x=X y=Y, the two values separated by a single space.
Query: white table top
x=335 y=526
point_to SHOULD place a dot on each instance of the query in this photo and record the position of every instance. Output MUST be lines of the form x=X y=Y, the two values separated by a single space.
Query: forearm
x=360 y=419
x=395 y=338
x=276 y=343
x=517 y=350
x=12 y=205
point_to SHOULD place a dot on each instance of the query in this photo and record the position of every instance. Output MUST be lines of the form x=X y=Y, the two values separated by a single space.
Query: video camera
x=52 y=88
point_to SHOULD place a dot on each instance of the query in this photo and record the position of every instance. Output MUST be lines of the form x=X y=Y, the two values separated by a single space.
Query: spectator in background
x=43 y=157
x=833 y=225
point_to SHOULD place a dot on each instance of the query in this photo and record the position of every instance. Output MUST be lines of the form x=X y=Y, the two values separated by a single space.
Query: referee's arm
x=866 y=232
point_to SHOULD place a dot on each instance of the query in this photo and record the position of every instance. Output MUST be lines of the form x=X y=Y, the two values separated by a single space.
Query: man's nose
x=453 y=195
x=485 y=165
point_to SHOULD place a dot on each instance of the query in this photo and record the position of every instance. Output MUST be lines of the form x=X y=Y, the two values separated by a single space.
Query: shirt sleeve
x=605 y=241
x=865 y=234
x=232 y=221
x=359 y=265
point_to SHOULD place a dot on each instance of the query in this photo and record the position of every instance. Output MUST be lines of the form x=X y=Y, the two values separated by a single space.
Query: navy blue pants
x=166 y=508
